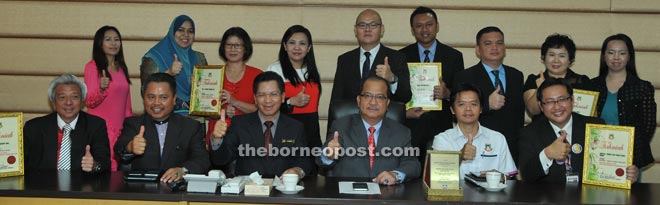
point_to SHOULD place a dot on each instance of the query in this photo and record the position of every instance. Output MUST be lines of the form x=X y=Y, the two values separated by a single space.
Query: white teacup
x=290 y=181
x=493 y=179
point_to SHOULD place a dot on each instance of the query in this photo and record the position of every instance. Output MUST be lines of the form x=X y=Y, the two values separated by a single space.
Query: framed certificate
x=584 y=102
x=206 y=90
x=11 y=144
x=423 y=77
x=608 y=152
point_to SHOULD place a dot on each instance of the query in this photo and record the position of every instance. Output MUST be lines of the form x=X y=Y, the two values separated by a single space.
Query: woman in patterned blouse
x=624 y=98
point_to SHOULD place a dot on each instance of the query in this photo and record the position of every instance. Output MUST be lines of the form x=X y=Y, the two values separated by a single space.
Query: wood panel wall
x=44 y=39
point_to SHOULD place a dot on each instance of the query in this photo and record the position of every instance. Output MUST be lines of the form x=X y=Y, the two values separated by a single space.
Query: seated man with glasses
x=266 y=141
x=368 y=144
x=369 y=59
x=551 y=148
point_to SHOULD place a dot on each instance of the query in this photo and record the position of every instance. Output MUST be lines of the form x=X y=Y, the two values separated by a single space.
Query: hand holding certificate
x=424 y=77
x=608 y=155
x=206 y=88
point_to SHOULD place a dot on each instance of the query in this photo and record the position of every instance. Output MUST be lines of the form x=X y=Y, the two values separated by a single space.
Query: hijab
x=163 y=55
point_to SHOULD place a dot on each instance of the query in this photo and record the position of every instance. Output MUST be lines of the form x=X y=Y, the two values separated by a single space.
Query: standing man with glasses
x=371 y=58
x=551 y=148
x=67 y=139
x=266 y=128
x=373 y=138
x=501 y=86
x=427 y=49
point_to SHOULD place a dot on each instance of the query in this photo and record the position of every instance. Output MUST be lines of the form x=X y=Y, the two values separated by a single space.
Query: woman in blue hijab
x=174 y=55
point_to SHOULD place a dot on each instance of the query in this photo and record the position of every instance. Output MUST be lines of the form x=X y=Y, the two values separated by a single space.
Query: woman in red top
x=236 y=49
x=302 y=83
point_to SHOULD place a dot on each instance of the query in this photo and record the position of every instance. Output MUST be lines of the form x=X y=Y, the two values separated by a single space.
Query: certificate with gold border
x=206 y=90
x=11 y=144
x=608 y=152
x=584 y=102
x=423 y=78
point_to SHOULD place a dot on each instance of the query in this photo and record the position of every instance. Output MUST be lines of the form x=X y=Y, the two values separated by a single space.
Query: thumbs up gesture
x=469 y=151
x=384 y=70
x=220 y=128
x=87 y=160
x=334 y=146
x=496 y=100
x=176 y=66
x=138 y=144
x=559 y=149
x=105 y=81
x=301 y=99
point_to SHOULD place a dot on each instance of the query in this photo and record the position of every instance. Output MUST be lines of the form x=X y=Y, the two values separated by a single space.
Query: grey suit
x=353 y=135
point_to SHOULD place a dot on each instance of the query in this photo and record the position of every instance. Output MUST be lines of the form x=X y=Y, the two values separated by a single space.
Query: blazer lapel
x=151 y=136
x=579 y=127
x=171 y=138
x=78 y=141
x=360 y=138
x=50 y=144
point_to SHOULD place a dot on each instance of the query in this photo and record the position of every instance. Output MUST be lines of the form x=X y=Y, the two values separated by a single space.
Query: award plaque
x=441 y=175
x=423 y=78
x=608 y=152
x=11 y=144
x=206 y=90
x=584 y=102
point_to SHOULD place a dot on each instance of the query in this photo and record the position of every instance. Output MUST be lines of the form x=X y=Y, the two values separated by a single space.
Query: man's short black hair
x=160 y=78
x=486 y=30
x=552 y=82
x=422 y=10
x=465 y=87
x=265 y=77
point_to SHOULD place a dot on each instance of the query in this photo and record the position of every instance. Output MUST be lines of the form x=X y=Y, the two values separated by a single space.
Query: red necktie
x=267 y=136
x=372 y=147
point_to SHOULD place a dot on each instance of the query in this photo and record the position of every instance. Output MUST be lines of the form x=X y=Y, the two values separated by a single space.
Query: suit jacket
x=40 y=142
x=246 y=132
x=347 y=81
x=431 y=123
x=184 y=145
x=508 y=119
x=538 y=135
x=353 y=135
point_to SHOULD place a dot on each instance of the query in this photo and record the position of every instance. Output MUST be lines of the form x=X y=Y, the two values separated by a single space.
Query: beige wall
x=43 y=39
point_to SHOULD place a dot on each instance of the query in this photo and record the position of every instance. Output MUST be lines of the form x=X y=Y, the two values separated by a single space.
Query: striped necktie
x=64 y=162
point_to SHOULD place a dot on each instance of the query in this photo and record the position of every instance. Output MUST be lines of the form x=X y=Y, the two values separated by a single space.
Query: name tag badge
x=572 y=179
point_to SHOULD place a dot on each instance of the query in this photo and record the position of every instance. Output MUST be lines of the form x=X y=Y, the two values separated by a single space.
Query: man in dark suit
x=424 y=125
x=67 y=139
x=371 y=58
x=373 y=138
x=501 y=86
x=162 y=140
x=266 y=141
x=551 y=148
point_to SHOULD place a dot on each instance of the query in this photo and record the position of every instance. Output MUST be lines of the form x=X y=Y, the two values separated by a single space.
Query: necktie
x=366 y=67
x=64 y=162
x=267 y=136
x=372 y=147
x=498 y=82
x=426 y=58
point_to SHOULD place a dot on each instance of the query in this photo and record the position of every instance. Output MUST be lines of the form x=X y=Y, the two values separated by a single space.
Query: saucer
x=281 y=189
x=499 y=187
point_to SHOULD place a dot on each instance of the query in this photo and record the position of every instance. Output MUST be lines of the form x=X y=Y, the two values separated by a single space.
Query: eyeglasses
x=363 y=25
x=561 y=100
x=369 y=97
x=264 y=95
x=238 y=46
